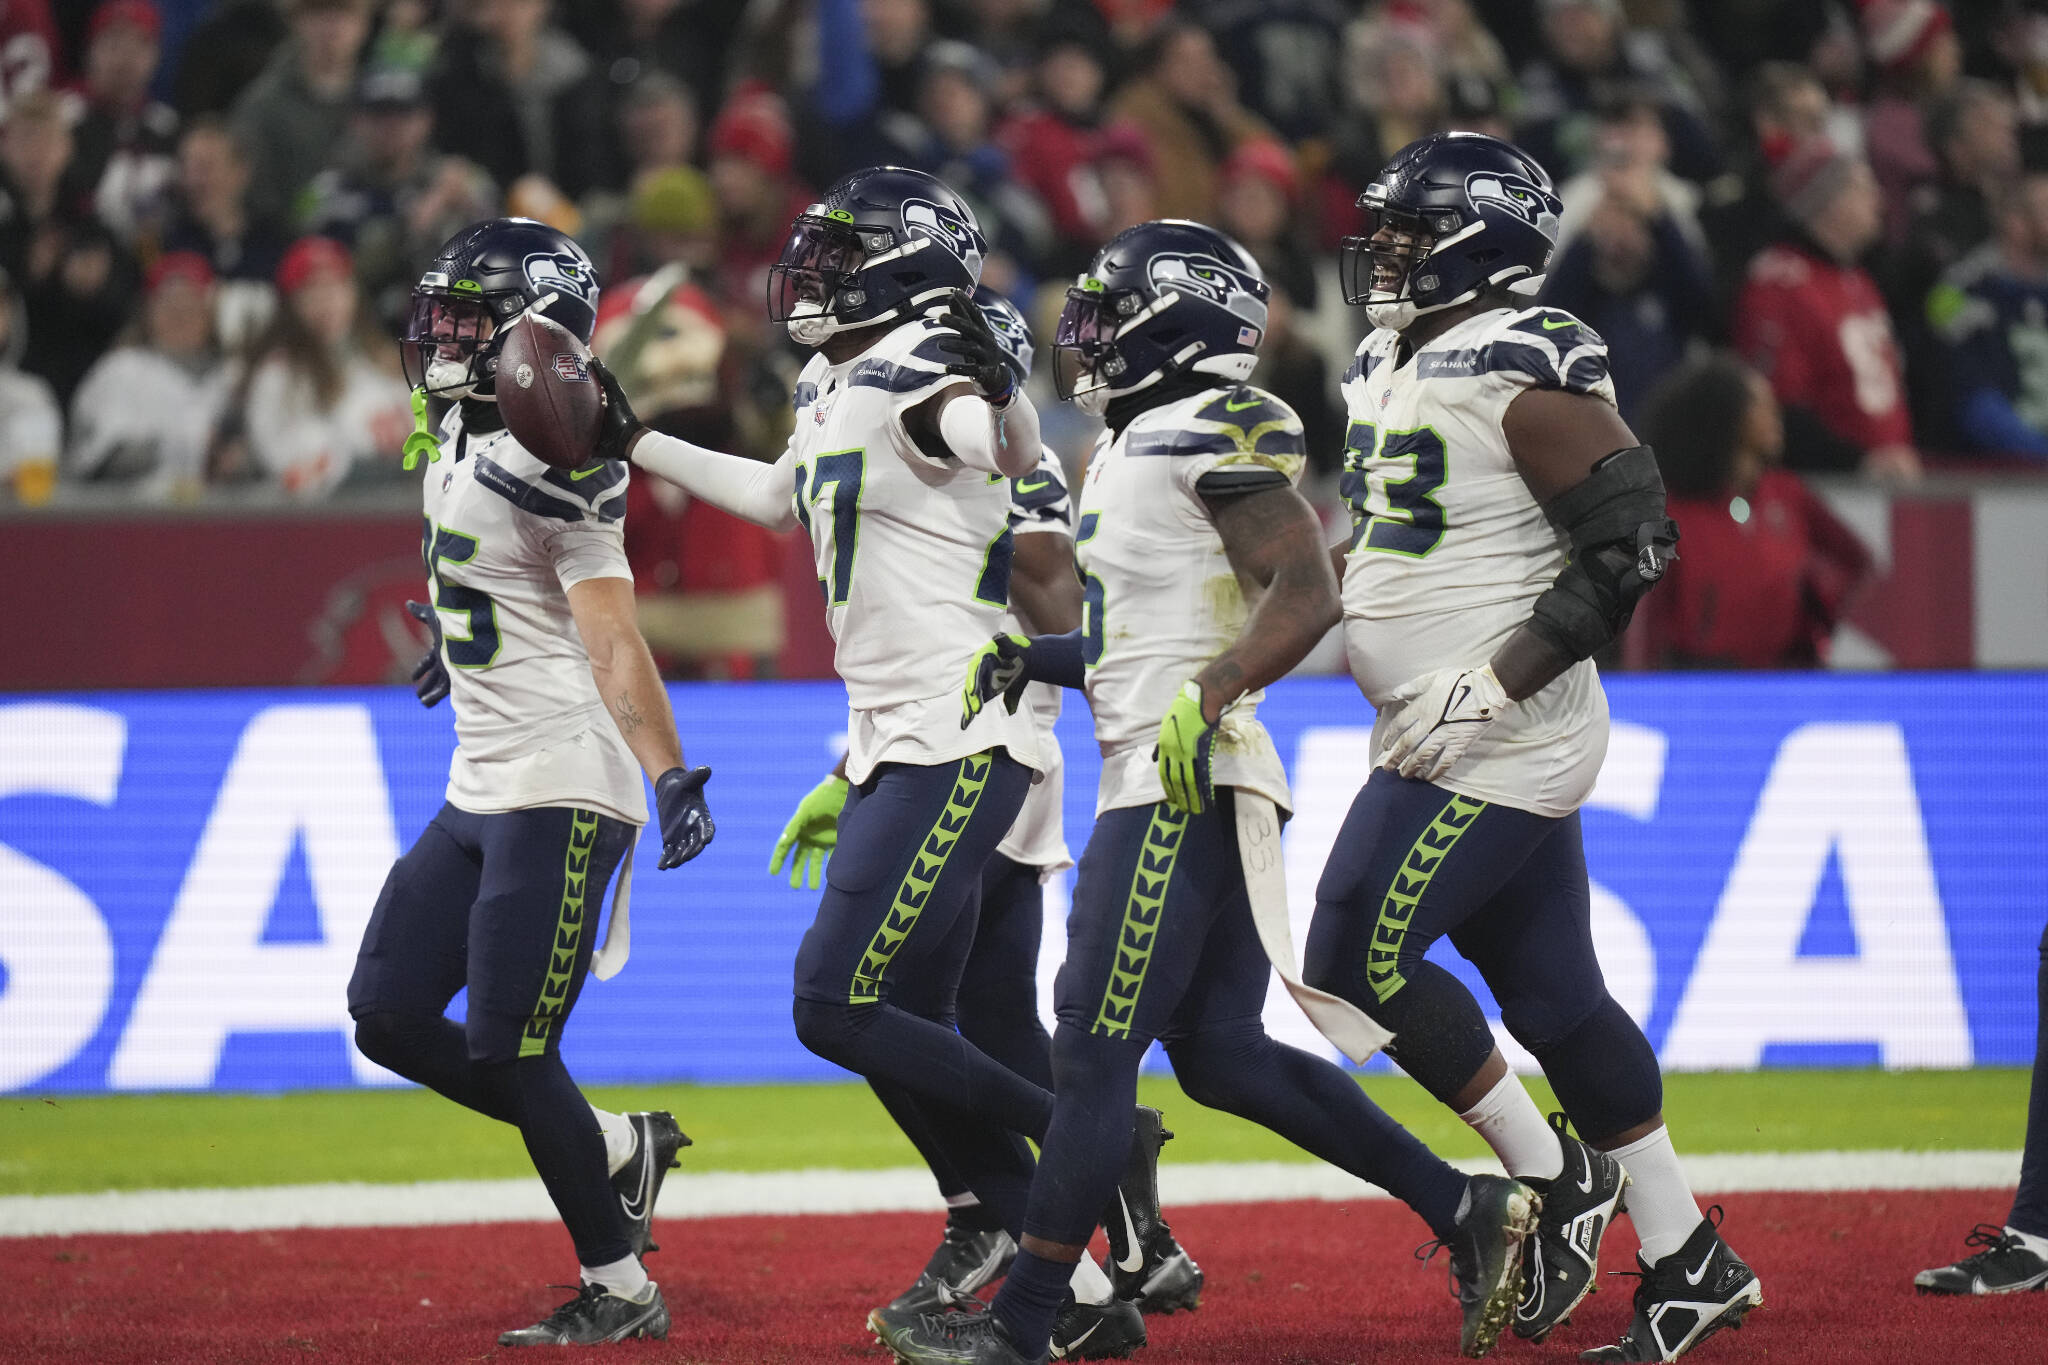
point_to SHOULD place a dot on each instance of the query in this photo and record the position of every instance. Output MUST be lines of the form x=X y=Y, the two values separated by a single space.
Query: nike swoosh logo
x=1230 y=406
x=636 y=1207
x=1586 y=1185
x=1033 y=485
x=1550 y=326
x=1464 y=691
x=1137 y=1252
x=1079 y=1341
x=1695 y=1276
x=586 y=473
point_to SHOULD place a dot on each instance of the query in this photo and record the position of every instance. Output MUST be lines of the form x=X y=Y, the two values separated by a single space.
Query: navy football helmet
x=1013 y=334
x=483 y=277
x=881 y=244
x=1451 y=216
x=1160 y=298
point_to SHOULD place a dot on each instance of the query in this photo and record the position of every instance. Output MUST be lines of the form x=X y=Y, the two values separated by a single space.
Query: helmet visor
x=1374 y=266
x=1084 y=343
x=819 y=260
x=443 y=339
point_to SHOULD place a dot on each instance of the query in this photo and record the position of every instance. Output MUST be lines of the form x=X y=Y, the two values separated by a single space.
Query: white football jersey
x=506 y=538
x=913 y=556
x=1039 y=505
x=1161 y=599
x=1449 y=548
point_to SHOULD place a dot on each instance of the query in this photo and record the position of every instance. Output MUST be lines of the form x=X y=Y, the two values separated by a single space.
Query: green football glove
x=813 y=831
x=997 y=667
x=1185 y=738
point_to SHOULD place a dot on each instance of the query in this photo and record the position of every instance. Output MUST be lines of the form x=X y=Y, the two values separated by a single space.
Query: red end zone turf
x=1292 y=1284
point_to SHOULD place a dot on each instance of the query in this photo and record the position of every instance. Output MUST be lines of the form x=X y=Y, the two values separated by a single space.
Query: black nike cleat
x=638 y=1182
x=1495 y=1217
x=1147 y=1266
x=2004 y=1266
x=1097 y=1331
x=1685 y=1298
x=965 y=1262
x=596 y=1316
x=971 y=1337
x=1560 y=1261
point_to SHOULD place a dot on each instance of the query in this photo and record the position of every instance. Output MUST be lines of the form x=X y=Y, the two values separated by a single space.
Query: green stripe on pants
x=1141 y=922
x=916 y=889
x=1410 y=883
x=554 y=992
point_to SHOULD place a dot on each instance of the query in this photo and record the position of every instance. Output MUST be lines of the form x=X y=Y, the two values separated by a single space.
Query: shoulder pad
x=1547 y=347
x=1040 y=497
x=906 y=360
x=596 y=492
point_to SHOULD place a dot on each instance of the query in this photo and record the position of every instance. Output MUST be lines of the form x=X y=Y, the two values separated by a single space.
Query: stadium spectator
x=126 y=142
x=1810 y=318
x=35 y=155
x=1256 y=206
x=951 y=138
x=31 y=423
x=32 y=48
x=213 y=221
x=874 y=77
x=1631 y=161
x=515 y=94
x=1053 y=140
x=1184 y=106
x=658 y=125
x=752 y=149
x=1916 y=59
x=1396 y=95
x=695 y=41
x=225 y=52
x=315 y=410
x=1584 y=58
x=1787 y=106
x=1286 y=56
x=291 y=117
x=1767 y=570
x=671 y=218
x=144 y=414
x=1991 y=311
x=1125 y=167
x=392 y=199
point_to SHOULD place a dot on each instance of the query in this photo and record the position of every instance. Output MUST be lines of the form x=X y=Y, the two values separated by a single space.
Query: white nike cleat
x=1685 y=1298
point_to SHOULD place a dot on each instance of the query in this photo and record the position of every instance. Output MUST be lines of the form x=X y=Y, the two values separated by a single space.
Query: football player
x=1205 y=578
x=1506 y=522
x=998 y=995
x=558 y=711
x=909 y=427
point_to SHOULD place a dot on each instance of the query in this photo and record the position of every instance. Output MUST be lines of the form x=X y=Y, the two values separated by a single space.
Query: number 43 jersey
x=506 y=538
x=1449 y=548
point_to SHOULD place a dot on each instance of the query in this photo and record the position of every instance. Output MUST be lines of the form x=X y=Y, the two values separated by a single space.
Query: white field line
x=722 y=1194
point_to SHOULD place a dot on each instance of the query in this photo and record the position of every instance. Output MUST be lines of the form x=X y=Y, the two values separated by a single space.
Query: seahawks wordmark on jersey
x=1449 y=548
x=506 y=537
x=913 y=555
x=1039 y=505
x=1160 y=597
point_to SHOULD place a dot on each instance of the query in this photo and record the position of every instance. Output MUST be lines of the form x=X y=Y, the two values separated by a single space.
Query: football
x=551 y=402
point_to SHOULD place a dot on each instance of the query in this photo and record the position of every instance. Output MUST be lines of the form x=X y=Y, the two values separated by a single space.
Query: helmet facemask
x=1378 y=267
x=450 y=346
x=1085 y=361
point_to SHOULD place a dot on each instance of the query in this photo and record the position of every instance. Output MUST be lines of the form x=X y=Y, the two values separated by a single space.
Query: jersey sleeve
x=1240 y=439
x=1545 y=348
x=1040 y=502
x=578 y=517
x=908 y=367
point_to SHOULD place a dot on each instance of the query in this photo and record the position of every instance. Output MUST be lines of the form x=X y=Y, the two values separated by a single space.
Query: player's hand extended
x=1436 y=718
x=429 y=675
x=1186 y=737
x=618 y=427
x=812 y=832
x=996 y=668
x=982 y=360
x=685 y=818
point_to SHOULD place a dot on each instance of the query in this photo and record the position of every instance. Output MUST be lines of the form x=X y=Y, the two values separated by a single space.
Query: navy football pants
x=1414 y=863
x=2030 y=1203
x=507 y=905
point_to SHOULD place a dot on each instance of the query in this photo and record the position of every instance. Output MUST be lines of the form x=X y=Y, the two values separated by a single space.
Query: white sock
x=964 y=1200
x=625 y=1277
x=621 y=1138
x=1660 y=1202
x=2037 y=1245
x=1090 y=1284
x=1513 y=1126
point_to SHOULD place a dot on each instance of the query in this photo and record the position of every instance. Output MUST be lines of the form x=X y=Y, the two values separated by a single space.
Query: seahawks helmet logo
x=1011 y=333
x=563 y=274
x=1516 y=195
x=958 y=234
x=1240 y=291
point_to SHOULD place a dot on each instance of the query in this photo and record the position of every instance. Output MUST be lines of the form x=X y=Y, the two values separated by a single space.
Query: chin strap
x=422 y=441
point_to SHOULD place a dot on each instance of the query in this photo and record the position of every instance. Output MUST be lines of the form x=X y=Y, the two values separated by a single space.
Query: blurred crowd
x=212 y=211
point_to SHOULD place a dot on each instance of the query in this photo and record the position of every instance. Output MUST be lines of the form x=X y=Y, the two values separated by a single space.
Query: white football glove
x=1436 y=717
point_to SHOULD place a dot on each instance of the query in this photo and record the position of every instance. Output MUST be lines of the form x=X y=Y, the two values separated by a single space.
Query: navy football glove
x=618 y=427
x=685 y=819
x=982 y=360
x=429 y=675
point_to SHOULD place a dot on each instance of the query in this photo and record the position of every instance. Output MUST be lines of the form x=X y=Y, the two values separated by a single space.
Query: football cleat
x=638 y=1182
x=1560 y=1261
x=965 y=1262
x=1496 y=1216
x=1097 y=1331
x=2004 y=1266
x=1685 y=1298
x=1147 y=1266
x=596 y=1316
x=972 y=1337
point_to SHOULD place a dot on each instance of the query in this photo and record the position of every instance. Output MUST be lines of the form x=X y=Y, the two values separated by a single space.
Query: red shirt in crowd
x=1761 y=592
x=1818 y=331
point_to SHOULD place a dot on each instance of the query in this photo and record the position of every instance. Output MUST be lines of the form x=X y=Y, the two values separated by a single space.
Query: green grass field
x=62 y=1145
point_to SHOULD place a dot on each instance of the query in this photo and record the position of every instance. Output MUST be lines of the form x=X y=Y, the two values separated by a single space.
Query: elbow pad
x=1622 y=542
